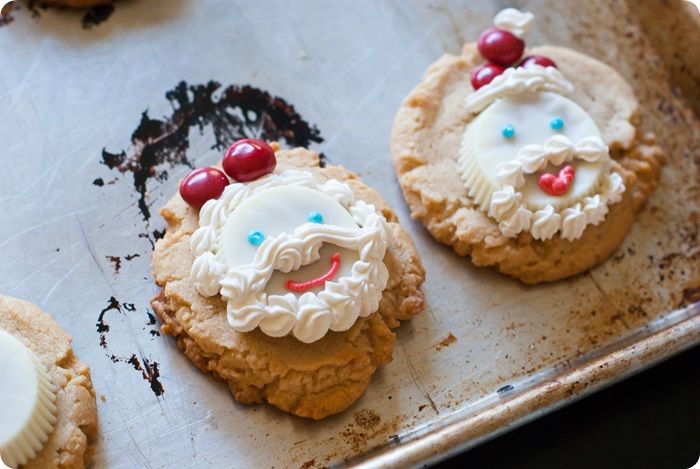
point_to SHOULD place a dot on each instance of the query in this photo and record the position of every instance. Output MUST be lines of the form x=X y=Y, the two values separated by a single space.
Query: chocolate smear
x=150 y=370
x=150 y=373
x=151 y=319
x=93 y=16
x=96 y=15
x=235 y=112
x=102 y=326
x=116 y=263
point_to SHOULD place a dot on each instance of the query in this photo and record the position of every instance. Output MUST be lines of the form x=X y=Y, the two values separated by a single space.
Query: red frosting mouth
x=300 y=287
x=559 y=184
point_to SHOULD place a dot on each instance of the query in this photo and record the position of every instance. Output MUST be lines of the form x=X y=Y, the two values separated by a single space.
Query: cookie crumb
x=446 y=342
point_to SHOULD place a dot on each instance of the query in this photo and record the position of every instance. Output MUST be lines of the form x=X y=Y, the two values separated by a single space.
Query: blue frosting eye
x=256 y=237
x=557 y=123
x=315 y=217
x=508 y=131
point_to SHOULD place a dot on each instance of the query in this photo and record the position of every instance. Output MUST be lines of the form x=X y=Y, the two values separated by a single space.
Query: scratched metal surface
x=69 y=92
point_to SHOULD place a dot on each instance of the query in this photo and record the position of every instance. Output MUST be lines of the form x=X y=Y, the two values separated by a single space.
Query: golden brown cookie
x=307 y=379
x=71 y=443
x=425 y=144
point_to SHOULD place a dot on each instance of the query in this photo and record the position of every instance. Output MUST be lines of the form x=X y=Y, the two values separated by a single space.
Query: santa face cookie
x=534 y=160
x=516 y=170
x=299 y=259
x=48 y=416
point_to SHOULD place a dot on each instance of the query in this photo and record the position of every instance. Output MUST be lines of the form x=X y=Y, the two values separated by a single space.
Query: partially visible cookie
x=291 y=368
x=435 y=157
x=71 y=441
x=76 y=3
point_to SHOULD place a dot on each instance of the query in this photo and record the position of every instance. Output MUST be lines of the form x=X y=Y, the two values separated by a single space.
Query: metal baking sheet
x=487 y=354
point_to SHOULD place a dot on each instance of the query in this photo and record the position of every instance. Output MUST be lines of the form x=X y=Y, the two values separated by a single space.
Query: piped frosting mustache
x=288 y=252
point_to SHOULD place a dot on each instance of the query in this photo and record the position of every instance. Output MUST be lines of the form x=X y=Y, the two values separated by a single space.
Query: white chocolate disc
x=484 y=147
x=278 y=210
x=27 y=396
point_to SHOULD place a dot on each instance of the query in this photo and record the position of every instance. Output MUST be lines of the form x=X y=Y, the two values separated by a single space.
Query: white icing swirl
x=545 y=223
x=573 y=222
x=591 y=149
x=503 y=202
x=510 y=173
x=308 y=316
x=595 y=208
x=614 y=187
x=203 y=240
x=517 y=222
x=518 y=80
x=532 y=158
x=559 y=149
x=514 y=21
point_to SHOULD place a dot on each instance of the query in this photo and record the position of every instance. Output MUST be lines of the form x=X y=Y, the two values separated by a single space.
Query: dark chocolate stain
x=96 y=15
x=152 y=237
x=116 y=263
x=152 y=322
x=34 y=5
x=102 y=326
x=92 y=17
x=235 y=112
x=99 y=182
x=150 y=373
x=151 y=319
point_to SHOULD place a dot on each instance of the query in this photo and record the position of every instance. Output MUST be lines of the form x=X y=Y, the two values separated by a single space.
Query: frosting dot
x=315 y=217
x=557 y=123
x=256 y=237
x=508 y=131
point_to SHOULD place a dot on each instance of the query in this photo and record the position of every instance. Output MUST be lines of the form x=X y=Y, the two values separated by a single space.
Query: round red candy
x=500 y=47
x=483 y=74
x=201 y=185
x=249 y=159
x=537 y=60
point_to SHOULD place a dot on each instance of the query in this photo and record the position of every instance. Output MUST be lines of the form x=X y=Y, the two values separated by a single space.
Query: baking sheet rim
x=540 y=399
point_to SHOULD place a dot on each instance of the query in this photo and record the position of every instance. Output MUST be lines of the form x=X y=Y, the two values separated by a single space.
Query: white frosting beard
x=278 y=206
x=501 y=173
